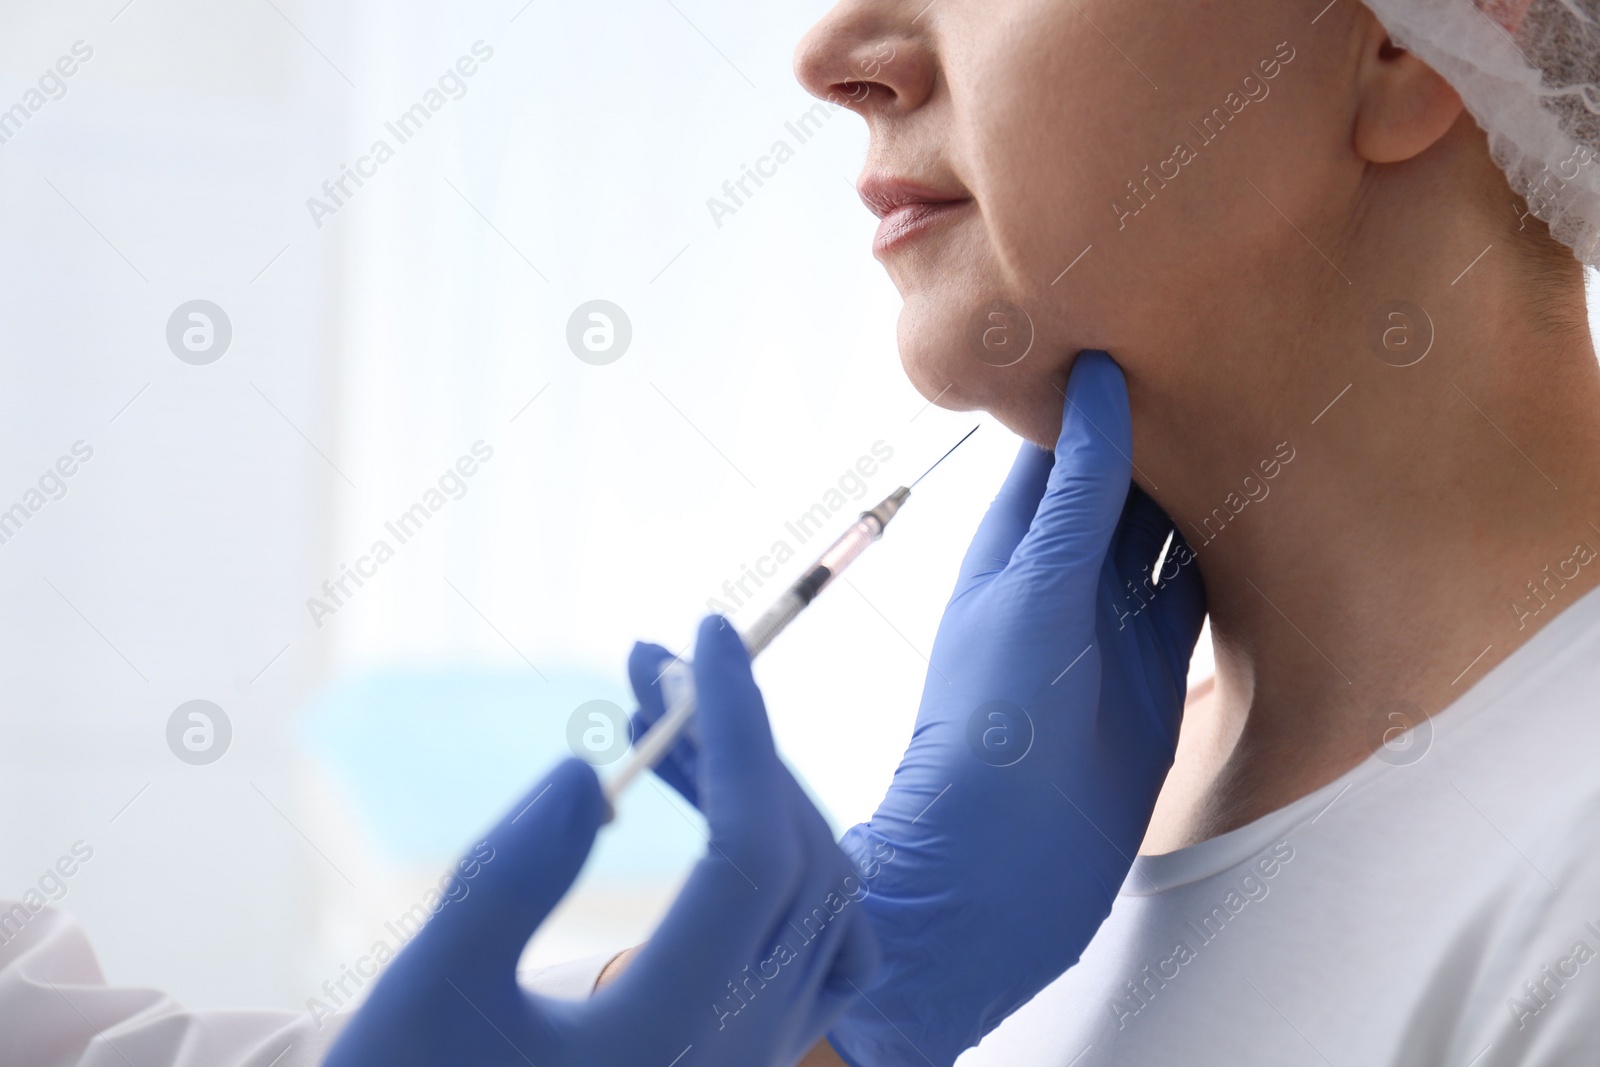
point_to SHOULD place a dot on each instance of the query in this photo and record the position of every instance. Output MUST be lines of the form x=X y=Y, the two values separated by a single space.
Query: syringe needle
x=944 y=457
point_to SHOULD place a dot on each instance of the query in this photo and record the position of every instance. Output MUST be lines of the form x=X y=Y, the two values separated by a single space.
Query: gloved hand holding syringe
x=676 y=680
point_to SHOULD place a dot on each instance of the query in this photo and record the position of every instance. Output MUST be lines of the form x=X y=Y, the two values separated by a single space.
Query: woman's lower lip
x=909 y=221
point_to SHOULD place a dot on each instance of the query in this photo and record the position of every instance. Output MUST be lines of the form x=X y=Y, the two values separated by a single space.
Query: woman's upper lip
x=884 y=193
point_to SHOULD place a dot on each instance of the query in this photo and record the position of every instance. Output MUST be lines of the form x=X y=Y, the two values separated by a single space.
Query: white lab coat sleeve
x=57 y=1011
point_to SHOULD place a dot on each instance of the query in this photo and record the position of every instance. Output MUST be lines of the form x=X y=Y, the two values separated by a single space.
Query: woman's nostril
x=855 y=93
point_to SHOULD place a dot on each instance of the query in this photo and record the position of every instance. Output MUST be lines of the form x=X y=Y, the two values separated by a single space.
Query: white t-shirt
x=1442 y=911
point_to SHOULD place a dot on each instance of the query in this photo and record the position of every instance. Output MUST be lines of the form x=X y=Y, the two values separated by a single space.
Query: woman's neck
x=1374 y=537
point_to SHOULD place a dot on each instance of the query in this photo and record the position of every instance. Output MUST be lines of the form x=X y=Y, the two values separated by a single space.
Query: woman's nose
x=872 y=56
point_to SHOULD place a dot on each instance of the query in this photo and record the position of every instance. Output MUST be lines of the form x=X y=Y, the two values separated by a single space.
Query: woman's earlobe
x=1405 y=108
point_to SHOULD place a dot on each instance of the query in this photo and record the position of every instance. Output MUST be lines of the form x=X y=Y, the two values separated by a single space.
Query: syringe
x=649 y=749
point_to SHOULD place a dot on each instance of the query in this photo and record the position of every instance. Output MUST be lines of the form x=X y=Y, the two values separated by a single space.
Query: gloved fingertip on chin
x=1093 y=366
x=1095 y=407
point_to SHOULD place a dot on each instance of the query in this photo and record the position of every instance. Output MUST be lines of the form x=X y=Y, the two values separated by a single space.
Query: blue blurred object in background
x=431 y=757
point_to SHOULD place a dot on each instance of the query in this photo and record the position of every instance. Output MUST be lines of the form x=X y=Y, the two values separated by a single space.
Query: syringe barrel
x=650 y=748
x=839 y=555
x=772 y=622
x=794 y=600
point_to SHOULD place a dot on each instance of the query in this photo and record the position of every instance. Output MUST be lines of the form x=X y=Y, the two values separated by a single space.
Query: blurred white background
x=371 y=348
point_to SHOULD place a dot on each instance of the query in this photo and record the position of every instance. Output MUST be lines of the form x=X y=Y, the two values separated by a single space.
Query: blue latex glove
x=1048 y=721
x=757 y=956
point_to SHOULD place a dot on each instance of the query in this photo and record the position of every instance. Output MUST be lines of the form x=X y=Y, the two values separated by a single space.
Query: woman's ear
x=1405 y=105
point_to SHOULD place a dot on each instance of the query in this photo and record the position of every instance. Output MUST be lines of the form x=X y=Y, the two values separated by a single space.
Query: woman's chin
x=1008 y=373
x=942 y=341
x=934 y=371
